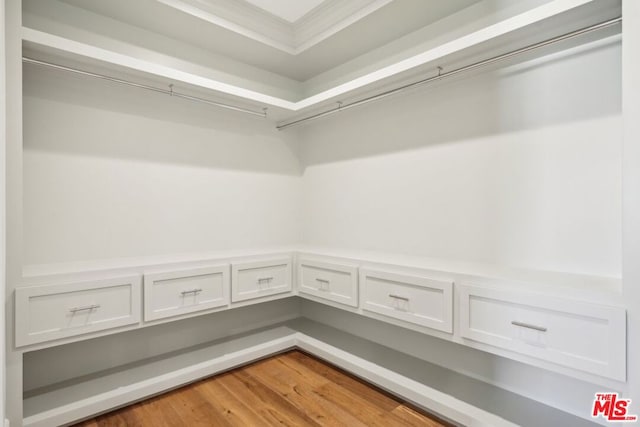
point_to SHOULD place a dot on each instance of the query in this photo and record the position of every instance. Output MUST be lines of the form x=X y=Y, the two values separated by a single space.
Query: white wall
x=112 y=171
x=3 y=144
x=519 y=167
x=13 y=206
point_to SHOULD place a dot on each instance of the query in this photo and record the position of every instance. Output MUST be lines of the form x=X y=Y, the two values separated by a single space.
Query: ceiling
x=289 y=10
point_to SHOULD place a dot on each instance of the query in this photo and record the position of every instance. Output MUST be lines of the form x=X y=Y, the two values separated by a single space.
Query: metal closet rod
x=342 y=107
x=169 y=91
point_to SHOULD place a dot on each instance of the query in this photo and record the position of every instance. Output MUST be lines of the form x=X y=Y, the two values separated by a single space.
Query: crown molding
x=330 y=17
x=251 y=21
x=242 y=18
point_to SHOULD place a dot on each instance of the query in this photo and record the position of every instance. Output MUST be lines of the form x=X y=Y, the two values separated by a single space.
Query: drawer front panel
x=51 y=312
x=334 y=282
x=180 y=292
x=413 y=299
x=259 y=279
x=582 y=336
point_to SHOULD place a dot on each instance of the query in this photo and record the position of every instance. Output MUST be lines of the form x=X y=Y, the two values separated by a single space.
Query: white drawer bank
x=416 y=300
x=547 y=331
x=66 y=310
x=584 y=340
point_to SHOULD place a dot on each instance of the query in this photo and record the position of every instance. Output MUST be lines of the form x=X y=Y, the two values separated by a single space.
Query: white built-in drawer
x=260 y=279
x=177 y=292
x=414 y=299
x=328 y=280
x=50 y=312
x=583 y=336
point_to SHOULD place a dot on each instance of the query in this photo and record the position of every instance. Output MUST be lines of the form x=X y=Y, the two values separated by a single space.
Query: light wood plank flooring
x=290 y=389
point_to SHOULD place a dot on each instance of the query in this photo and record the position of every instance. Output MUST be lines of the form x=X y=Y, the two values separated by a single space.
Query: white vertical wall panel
x=116 y=172
x=3 y=245
x=514 y=167
x=631 y=168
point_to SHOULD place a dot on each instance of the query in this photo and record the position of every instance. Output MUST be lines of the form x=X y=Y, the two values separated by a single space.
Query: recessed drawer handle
x=529 y=326
x=399 y=297
x=84 y=308
x=264 y=279
x=192 y=291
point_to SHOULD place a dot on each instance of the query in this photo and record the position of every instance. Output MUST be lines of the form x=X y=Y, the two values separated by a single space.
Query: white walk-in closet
x=441 y=198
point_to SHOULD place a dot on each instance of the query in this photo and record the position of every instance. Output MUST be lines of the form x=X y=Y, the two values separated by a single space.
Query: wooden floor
x=291 y=389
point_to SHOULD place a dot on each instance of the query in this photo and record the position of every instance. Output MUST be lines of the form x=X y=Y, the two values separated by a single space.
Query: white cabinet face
x=330 y=281
x=179 y=292
x=583 y=336
x=50 y=312
x=414 y=299
x=251 y=280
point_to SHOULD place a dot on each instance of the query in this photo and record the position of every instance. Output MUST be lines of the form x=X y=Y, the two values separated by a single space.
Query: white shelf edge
x=85 y=50
x=485 y=272
x=499 y=29
x=125 y=263
x=536 y=279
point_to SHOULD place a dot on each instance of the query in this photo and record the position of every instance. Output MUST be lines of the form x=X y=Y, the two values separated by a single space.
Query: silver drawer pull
x=529 y=326
x=192 y=291
x=84 y=308
x=399 y=297
x=264 y=279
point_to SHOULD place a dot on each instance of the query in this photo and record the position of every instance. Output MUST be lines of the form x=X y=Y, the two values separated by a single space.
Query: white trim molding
x=294 y=38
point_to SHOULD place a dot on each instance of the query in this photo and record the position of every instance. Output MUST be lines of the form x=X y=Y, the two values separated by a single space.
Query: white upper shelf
x=548 y=20
x=115 y=60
